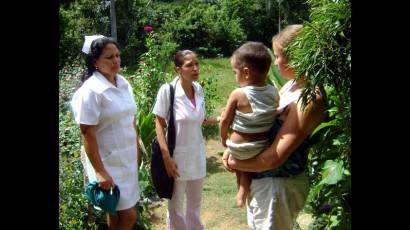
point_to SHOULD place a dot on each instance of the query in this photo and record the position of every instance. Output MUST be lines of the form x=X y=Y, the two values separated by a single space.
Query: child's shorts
x=246 y=150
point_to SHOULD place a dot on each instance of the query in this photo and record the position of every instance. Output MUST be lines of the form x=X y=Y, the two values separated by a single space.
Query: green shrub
x=69 y=134
x=259 y=18
x=77 y=19
x=72 y=201
x=322 y=51
x=203 y=28
x=86 y=17
x=149 y=76
x=211 y=99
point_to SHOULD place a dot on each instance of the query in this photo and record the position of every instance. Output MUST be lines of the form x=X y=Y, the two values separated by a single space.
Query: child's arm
x=296 y=127
x=228 y=115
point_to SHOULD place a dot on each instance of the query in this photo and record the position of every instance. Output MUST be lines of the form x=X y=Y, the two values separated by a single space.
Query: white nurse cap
x=88 y=41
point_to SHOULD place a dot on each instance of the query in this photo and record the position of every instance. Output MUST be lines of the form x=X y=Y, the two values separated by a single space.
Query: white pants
x=274 y=202
x=191 y=220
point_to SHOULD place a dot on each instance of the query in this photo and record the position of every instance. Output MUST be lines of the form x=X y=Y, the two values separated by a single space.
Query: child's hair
x=180 y=56
x=284 y=37
x=254 y=54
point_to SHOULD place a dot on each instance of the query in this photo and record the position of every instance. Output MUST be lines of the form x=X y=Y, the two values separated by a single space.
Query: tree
x=113 y=20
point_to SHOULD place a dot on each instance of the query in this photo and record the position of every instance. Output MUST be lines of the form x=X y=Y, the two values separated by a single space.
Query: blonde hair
x=284 y=37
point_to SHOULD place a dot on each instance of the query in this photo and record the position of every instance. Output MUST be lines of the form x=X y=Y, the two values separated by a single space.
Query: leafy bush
x=72 y=201
x=147 y=190
x=203 y=28
x=69 y=134
x=77 y=19
x=149 y=75
x=86 y=17
x=211 y=98
x=322 y=51
x=259 y=18
x=211 y=28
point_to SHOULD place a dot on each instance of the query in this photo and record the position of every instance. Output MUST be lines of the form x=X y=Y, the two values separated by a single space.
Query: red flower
x=148 y=29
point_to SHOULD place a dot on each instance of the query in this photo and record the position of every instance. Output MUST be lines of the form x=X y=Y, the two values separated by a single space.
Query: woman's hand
x=171 y=167
x=225 y=159
x=211 y=120
x=105 y=180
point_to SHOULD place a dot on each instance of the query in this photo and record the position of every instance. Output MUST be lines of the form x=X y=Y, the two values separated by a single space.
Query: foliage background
x=211 y=28
x=322 y=51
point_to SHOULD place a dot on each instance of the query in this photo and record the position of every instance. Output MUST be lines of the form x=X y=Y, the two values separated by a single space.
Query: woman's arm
x=139 y=149
x=297 y=126
x=91 y=149
x=169 y=163
x=227 y=116
x=211 y=120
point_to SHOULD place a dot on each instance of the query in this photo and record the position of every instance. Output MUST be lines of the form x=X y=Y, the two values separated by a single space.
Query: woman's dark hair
x=96 y=49
x=180 y=56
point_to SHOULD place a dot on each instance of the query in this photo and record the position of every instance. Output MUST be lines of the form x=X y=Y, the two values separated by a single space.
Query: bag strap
x=171 y=125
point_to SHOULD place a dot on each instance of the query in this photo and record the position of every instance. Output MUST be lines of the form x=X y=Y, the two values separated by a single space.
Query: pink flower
x=148 y=29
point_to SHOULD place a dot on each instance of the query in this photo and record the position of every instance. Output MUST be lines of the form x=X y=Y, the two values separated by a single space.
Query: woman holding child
x=279 y=187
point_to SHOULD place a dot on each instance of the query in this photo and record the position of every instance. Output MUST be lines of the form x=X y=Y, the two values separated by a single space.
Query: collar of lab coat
x=101 y=83
x=180 y=93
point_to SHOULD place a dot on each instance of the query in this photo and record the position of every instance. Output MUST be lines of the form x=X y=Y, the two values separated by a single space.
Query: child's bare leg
x=244 y=185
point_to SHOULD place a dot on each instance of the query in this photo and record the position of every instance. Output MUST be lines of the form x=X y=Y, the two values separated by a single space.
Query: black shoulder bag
x=163 y=184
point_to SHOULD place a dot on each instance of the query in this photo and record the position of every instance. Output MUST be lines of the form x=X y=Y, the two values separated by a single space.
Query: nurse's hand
x=105 y=180
x=171 y=167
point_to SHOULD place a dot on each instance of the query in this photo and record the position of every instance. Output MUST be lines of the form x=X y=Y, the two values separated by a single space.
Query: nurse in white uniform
x=188 y=164
x=104 y=108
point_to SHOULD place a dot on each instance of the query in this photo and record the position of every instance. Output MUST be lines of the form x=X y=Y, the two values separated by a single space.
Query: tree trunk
x=279 y=19
x=113 y=20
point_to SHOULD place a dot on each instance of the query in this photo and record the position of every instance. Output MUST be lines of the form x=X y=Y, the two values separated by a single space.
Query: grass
x=220 y=69
x=219 y=200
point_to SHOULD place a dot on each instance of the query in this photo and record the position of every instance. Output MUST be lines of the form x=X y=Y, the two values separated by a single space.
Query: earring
x=96 y=67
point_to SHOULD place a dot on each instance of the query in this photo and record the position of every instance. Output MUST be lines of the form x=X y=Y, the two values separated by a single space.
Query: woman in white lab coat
x=104 y=108
x=188 y=164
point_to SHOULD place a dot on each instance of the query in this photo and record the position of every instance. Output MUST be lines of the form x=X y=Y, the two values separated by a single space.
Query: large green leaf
x=323 y=125
x=314 y=192
x=332 y=172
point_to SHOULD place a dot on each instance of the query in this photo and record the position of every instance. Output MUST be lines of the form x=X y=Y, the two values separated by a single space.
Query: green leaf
x=332 y=172
x=337 y=142
x=314 y=192
x=323 y=125
x=334 y=221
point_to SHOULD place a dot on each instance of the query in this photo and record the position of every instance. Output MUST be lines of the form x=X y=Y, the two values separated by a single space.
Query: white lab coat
x=189 y=153
x=111 y=109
